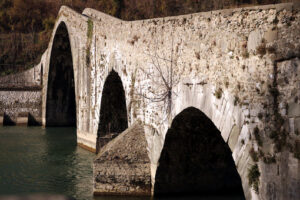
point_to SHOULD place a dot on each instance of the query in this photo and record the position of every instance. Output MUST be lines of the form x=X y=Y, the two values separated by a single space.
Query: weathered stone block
x=294 y=110
x=297 y=124
x=22 y=119
x=270 y=35
x=122 y=167
x=254 y=40
x=233 y=137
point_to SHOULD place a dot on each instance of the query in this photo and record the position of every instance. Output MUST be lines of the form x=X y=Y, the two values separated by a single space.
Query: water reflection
x=36 y=160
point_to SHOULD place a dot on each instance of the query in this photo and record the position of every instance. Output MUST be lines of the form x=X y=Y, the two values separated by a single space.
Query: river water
x=48 y=161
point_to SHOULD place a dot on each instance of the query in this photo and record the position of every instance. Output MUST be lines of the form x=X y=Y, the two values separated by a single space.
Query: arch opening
x=61 y=104
x=195 y=160
x=113 y=111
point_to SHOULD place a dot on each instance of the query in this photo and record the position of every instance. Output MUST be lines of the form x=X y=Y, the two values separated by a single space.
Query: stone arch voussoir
x=226 y=117
x=46 y=71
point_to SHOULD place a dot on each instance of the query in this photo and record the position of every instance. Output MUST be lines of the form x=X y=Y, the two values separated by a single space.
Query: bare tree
x=162 y=76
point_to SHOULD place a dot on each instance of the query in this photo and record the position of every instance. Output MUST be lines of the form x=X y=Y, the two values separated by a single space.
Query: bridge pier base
x=86 y=141
x=122 y=166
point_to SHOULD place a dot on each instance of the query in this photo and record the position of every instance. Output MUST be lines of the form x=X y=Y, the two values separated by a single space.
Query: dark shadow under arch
x=113 y=111
x=195 y=160
x=61 y=104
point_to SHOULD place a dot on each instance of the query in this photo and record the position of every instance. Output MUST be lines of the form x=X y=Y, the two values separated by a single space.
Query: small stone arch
x=195 y=159
x=113 y=111
x=60 y=94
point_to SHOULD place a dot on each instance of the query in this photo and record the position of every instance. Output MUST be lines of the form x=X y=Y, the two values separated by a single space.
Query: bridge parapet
x=100 y=16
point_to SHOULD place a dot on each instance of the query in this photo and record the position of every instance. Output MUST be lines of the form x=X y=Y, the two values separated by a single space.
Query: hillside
x=26 y=25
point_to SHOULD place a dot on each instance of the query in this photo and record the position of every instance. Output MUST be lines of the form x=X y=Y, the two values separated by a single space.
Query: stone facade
x=240 y=67
x=26 y=79
x=123 y=167
x=21 y=94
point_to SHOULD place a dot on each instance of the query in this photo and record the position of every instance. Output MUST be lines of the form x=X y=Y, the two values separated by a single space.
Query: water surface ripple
x=37 y=160
x=34 y=160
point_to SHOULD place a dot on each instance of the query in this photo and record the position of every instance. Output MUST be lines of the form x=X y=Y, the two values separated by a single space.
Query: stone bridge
x=206 y=97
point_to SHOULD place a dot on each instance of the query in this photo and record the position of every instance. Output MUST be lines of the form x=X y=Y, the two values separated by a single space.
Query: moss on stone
x=261 y=49
x=236 y=100
x=89 y=40
x=260 y=116
x=257 y=136
x=253 y=177
x=253 y=155
x=88 y=60
x=218 y=93
x=90 y=28
x=269 y=159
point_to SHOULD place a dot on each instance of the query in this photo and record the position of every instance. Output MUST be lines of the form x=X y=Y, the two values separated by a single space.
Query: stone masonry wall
x=14 y=103
x=21 y=93
x=28 y=78
x=223 y=63
x=233 y=65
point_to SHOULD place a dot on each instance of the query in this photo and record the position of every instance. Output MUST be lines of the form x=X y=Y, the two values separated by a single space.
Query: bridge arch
x=195 y=159
x=60 y=92
x=113 y=117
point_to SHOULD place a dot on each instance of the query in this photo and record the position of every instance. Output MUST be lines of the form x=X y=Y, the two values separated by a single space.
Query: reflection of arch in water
x=113 y=111
x=195 y=160
x=8 y=121
x=60 y=103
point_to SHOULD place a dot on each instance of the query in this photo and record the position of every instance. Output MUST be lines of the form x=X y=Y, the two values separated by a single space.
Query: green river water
x=48 y=161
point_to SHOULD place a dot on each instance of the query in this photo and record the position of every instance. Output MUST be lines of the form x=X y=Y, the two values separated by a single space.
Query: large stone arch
x=195 y=160
x=70 y=26
x=226 y=117
x=113 y=118
x=60 y=102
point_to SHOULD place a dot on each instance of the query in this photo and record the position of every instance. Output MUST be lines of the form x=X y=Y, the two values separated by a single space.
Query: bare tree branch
x=163 y=75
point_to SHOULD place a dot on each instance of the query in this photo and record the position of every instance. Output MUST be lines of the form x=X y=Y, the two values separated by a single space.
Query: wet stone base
x=122 y=167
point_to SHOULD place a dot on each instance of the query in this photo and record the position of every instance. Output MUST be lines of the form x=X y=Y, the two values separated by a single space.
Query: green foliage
x=253 y=177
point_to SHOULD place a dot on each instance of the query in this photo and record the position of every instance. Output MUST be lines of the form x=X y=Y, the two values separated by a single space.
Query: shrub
x=253 y=177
